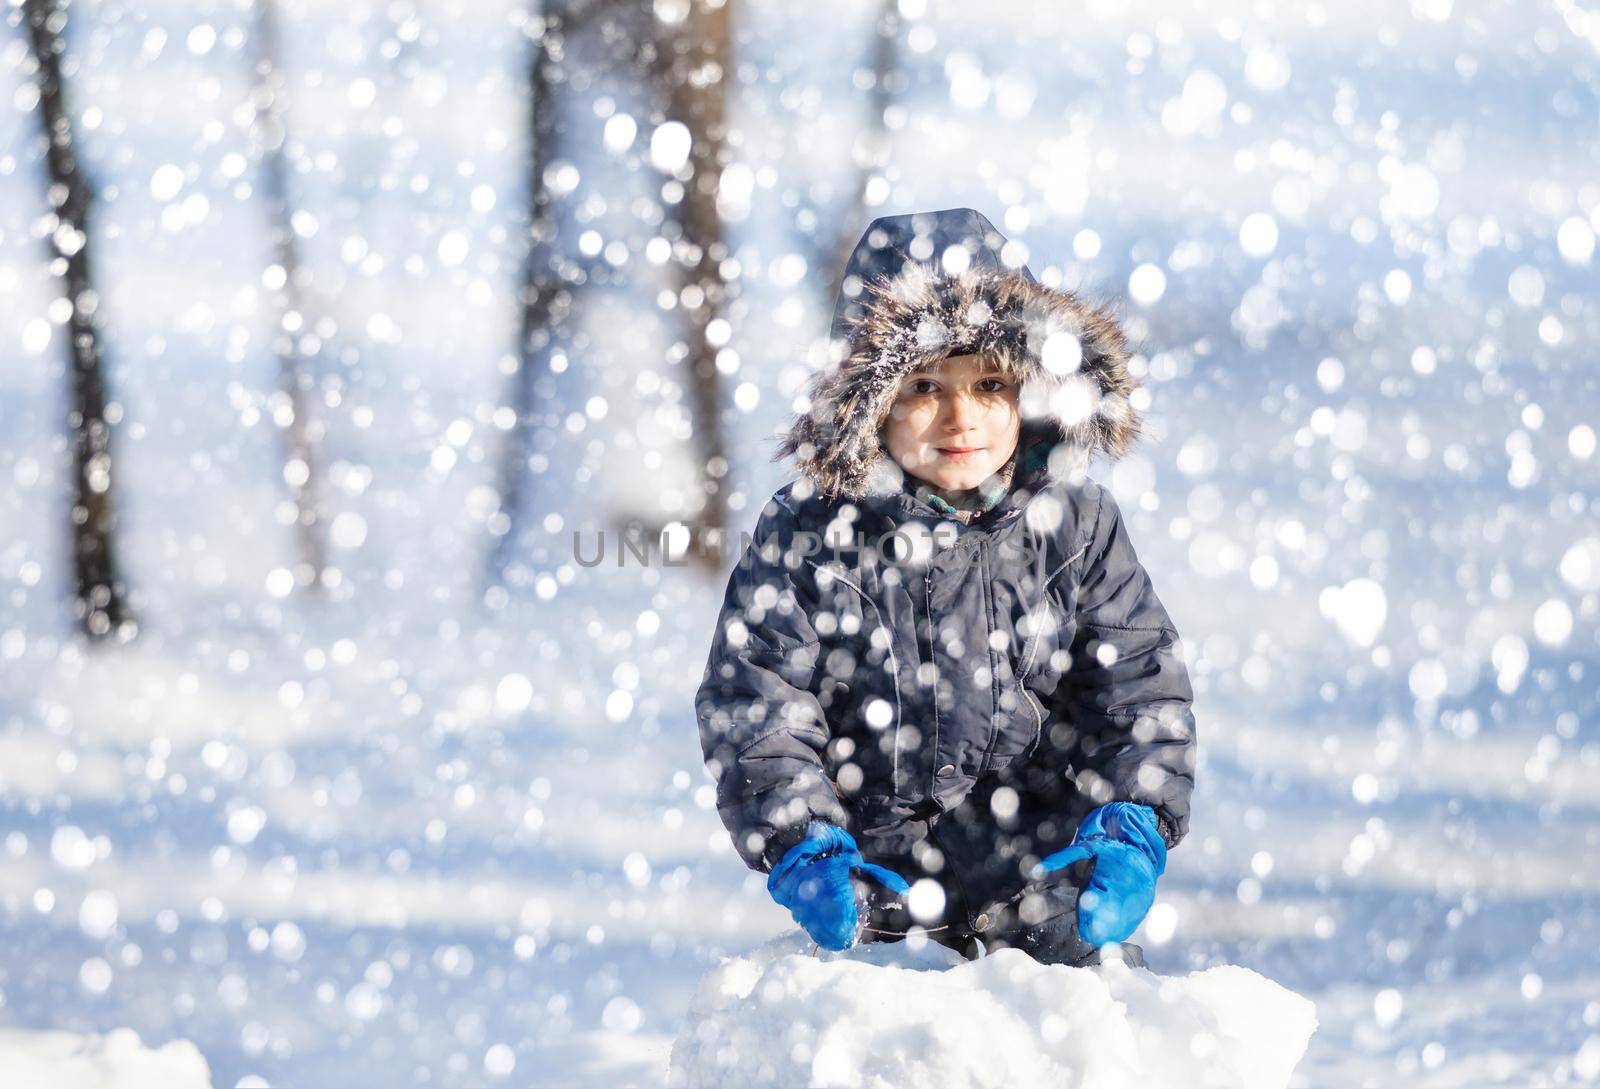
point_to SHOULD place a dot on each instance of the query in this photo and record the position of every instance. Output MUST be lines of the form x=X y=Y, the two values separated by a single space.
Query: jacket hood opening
x=906 y=304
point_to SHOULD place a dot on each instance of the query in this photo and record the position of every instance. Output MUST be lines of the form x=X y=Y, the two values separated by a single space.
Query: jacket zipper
x=925 y=633
x=927 y=656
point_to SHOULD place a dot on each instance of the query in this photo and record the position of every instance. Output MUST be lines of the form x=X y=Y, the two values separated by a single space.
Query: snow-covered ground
x=44 y=1059
x=886 y=1016
x=432 y=836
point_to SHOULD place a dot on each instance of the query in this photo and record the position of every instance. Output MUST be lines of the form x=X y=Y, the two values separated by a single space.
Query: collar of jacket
x=974 y=501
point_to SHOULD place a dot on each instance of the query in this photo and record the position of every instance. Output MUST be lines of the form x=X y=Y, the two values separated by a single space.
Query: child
x=940 y=651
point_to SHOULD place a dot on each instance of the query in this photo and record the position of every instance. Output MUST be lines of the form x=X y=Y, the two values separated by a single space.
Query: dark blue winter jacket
x=958 y=709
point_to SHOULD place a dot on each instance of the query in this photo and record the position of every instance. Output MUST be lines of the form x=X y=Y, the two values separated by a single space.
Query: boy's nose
x=960 y=412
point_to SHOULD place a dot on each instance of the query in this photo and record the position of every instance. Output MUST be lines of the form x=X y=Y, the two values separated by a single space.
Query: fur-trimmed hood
x=910 y=297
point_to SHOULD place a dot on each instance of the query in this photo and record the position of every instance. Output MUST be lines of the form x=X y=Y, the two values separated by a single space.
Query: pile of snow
x=43 y=1059
x=891 y=1015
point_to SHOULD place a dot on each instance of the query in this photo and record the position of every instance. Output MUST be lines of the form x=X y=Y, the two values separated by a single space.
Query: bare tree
x=872 y=146
x=690 y=68
x=698 y=71
x=98 y=589
x=553 y=280
x=546 y=297
x=295 y=380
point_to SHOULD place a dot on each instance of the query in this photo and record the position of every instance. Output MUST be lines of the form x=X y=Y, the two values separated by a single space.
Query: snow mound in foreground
x=35 y=1059
x=889 y=1015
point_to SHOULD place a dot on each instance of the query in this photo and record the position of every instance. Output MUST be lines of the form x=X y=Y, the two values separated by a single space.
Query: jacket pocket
x=1047 y=629
x=1045 y=618
x=1037 y=710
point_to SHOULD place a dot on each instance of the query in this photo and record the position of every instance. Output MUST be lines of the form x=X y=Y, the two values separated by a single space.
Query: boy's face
x=955 y=422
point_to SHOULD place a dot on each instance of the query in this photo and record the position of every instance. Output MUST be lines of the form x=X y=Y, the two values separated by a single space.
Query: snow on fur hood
x=927 y=285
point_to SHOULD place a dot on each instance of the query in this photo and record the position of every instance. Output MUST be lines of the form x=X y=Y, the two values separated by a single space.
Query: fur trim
x=1071 y=356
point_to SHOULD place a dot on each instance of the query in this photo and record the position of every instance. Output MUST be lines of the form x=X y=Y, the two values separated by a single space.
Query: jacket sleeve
x=762 y=730
x=1127 y=690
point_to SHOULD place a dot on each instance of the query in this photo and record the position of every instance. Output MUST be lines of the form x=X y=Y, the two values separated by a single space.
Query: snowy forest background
x=361 y=771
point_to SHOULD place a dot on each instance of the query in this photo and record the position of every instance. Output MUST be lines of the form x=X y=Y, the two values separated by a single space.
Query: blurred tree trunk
x=98 y=588
x=295 y=380
x=546 y=298
x=871 y=152
x=552 y=279
x=698 y=70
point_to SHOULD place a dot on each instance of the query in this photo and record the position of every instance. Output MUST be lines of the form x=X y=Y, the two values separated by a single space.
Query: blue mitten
x=812 y=880
x=1129 y=854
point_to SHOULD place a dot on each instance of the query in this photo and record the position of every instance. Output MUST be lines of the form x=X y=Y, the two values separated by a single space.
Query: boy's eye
x=924 y=386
